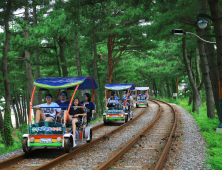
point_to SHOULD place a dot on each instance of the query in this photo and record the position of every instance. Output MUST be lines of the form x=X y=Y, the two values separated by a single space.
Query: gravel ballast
x=188 y=147
x=100 y=153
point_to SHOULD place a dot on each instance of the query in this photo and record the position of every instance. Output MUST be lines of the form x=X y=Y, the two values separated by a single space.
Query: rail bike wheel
x=90 y=136
x=131 y=115
x=25 y=147
x=67 y=145
x=126 y=118
x=104 y=120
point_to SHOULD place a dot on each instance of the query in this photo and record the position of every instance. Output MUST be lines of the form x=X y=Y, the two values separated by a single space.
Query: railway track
x=66 y=156
x=142 y=155
x=139 y=138
x=95 y=156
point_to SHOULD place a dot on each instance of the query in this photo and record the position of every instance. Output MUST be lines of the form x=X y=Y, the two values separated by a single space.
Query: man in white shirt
x=49 y=113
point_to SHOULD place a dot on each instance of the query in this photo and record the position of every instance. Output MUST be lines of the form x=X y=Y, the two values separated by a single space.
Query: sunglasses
x=64 y=95
x=48 y=97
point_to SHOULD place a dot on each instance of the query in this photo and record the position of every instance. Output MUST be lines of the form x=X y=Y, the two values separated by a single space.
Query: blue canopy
x=69 y=83
x=119 y=86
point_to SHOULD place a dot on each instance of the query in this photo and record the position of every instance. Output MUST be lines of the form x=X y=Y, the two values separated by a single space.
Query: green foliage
x=6 y=133
x=23 y=130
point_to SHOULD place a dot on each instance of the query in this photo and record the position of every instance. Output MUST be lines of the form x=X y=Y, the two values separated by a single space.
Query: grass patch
x=17 y=145
x=207 y=129
x=97 y=120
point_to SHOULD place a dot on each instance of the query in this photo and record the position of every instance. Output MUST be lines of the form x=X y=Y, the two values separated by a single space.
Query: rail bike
x=117 y=109
x=142 y=99
x=58 y=134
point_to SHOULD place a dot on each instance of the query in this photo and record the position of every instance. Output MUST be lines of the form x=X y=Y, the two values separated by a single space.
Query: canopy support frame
x=30 y=108
x=66 y=116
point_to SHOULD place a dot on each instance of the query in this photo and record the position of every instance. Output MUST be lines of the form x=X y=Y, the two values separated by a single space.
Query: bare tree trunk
x=190 y=100
x=16 y=115
x=1 y=123
x=30 y=79
x=7 y=116
x=17 y=101
x=196 y=94
x=57 y=59
x=197 y=67
x=168 y=89
x=160 y=89
x=164 y=88
x=206 y=77
x=217 y=21
x=211 y=55
x=24 y=109
x=95 y=67
x=78 y=59
x=101 y=96
x=28 y=106
x=37 y=68
x=62 y=57
x=111 y=65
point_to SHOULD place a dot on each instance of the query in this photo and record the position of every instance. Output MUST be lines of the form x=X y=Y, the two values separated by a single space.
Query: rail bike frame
x=142 y=102
x=116 y=113
x=54 y=132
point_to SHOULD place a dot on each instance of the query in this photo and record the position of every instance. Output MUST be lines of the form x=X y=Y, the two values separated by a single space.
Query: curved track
x=154 y=126
x=142 y=156
x=62 y=157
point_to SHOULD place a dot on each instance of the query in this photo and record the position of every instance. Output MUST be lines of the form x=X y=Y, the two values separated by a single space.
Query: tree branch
x=189 y=22
x=123 y=48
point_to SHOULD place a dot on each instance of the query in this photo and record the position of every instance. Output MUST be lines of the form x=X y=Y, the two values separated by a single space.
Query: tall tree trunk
x=62 y=56
x=190 y=100
x=95 y=67
x=197 y=67
x=164 y=88
x=24 y=109
x=37 y=68
x=30 y=79
x=196 y=94
x=27 y=104
x=211 y=55
x=160 y=89
x=168 y=89
x=77 y=55
x=101 y=96
x=16 y=114
x=217 y=21
x=57 y=59
x=1 y=124
x=111 y=63
x=7 y=116
x=17 y=103
x=206 y=77
x=78 y=59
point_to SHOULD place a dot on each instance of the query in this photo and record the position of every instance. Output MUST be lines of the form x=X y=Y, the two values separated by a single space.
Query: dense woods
x=112 y=41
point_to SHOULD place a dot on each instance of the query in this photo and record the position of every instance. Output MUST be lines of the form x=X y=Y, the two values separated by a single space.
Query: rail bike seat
x=80 y=123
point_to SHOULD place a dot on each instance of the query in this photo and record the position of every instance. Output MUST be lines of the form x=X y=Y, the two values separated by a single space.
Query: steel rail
x=18 y=158
x=122 y=151
x=163 y=157
x=65 y=157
